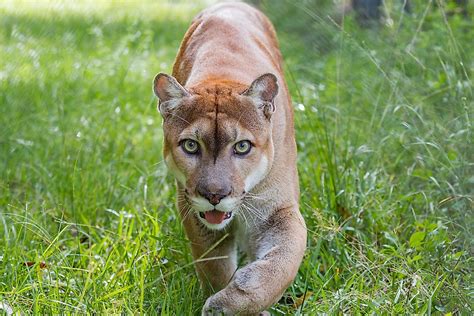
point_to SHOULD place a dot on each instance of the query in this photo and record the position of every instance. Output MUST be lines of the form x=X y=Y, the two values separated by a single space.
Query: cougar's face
x=217 y=142
x=219 y=147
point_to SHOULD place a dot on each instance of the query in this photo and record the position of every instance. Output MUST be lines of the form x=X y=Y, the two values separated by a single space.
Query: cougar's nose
x=213 y=197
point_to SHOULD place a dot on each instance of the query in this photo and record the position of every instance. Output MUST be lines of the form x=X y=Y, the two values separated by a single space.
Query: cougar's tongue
x=214 y=217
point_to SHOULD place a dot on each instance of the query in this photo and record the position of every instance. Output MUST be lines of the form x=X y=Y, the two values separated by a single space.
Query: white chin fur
x=227 y=204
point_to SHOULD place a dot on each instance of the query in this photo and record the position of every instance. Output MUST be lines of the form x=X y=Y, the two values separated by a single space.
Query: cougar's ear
x=169 y=91
x=263 y=90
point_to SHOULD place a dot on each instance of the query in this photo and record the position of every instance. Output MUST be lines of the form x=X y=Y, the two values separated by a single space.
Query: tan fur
x=229 y=87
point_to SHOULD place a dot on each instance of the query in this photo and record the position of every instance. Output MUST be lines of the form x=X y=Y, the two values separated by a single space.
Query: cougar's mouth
x=215 y=216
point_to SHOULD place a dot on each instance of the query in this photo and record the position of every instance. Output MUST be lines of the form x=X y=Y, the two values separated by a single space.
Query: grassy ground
x=384 y=127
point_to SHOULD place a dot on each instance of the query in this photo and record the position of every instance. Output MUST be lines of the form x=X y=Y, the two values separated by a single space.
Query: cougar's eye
x=190 y=146
x=242 y=148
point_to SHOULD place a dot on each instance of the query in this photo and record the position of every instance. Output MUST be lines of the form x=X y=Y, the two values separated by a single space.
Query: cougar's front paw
x=213 y=308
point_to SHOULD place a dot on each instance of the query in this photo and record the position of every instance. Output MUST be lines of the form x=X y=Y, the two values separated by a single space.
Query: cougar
x=229 y=141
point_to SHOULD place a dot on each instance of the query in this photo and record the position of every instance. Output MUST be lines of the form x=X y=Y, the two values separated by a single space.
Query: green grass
x=384 y=130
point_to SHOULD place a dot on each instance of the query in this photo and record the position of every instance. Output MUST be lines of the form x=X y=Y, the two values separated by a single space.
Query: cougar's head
x=217 y=142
